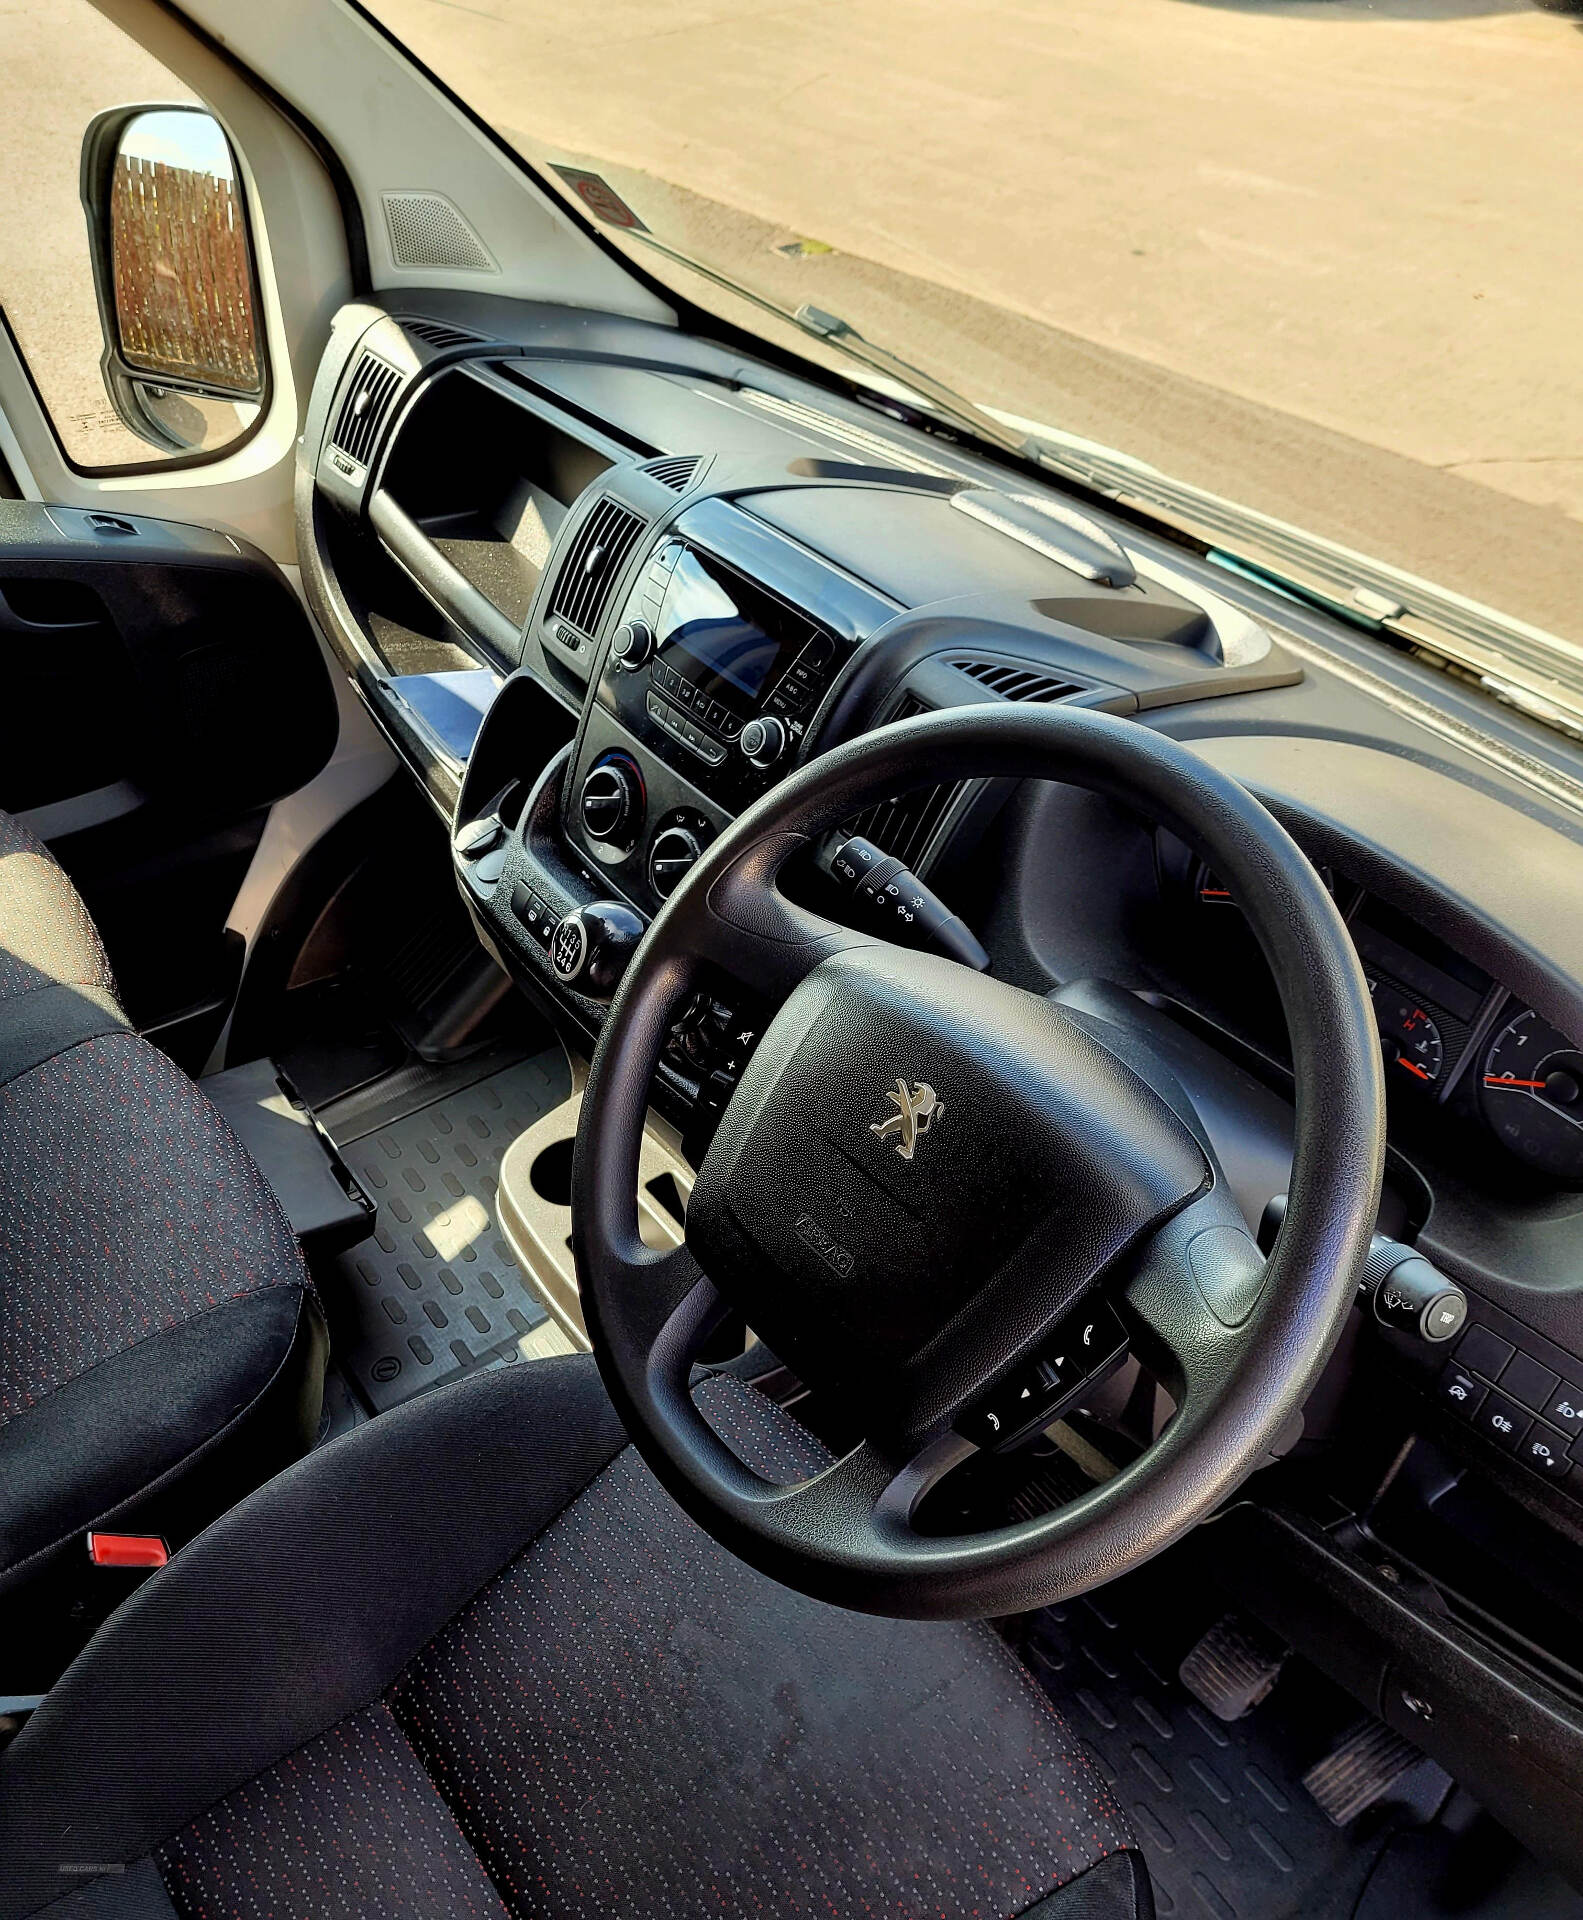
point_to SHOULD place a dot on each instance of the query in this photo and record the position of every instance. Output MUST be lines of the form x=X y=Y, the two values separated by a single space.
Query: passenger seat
x=161 y=1348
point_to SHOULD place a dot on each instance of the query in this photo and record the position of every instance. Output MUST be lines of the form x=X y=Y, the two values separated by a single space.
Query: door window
x=126 y=279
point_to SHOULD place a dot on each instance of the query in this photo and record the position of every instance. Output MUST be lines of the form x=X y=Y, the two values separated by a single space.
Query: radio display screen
x=703 y=622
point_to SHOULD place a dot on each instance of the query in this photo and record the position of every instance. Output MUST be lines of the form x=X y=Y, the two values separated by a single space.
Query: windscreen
x=1315 y=258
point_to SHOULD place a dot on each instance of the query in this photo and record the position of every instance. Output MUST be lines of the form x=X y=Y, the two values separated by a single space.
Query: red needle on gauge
x=1411 y=1068
x=1505 y=1080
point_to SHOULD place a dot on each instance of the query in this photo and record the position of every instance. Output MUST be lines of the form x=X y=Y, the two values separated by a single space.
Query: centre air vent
x=366 y=408
x=906 y=823
x=598 y=550
x=1019 y=683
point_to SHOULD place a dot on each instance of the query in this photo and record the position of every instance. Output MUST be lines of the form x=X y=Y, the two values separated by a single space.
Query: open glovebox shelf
x=471 y=497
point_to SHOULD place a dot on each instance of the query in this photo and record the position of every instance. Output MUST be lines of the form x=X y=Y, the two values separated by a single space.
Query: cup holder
x=551 y=1173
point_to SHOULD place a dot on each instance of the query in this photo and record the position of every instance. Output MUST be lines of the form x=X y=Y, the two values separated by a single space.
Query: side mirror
x=184 y=360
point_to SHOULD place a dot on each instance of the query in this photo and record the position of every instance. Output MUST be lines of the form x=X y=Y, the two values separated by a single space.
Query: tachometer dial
x=1533 y=1095
x=1410 y=1037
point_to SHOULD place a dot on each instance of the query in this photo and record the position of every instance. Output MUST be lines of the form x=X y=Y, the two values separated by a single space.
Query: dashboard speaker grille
x=427 y=230
x=676 y=472
x=906 y=823
x=437 y=333
x=1019 y=683
x=366 y=408
x=589 y=570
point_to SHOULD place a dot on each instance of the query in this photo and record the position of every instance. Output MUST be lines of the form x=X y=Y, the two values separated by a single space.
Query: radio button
x=633 y=644
x=764 y=741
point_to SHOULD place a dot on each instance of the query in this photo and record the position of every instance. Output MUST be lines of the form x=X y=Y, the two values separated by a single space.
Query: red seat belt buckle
x=127 y=1550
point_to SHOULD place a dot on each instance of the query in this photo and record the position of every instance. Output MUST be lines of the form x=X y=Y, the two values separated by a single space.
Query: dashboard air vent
x=676 y=472
x=366 y=408
x=437 y=333
x=905 y=824
x=1019 y=683
x=589 y=570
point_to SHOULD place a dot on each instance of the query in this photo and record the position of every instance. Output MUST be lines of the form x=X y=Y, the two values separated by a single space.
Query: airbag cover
x=1036 y=1157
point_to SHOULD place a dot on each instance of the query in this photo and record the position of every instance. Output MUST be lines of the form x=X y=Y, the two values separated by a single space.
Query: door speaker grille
x=427 y=230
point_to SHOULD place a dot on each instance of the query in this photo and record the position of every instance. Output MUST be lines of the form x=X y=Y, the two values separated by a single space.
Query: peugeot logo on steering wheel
x=915 y=1113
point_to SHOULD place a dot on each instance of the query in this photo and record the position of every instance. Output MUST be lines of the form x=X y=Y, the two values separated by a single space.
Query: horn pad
x=920 y=1171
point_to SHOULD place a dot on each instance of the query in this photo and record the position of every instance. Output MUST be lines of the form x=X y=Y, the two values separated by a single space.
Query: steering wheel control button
x=1087 y=1346
x=1461 y=1392
x=1503 y=1421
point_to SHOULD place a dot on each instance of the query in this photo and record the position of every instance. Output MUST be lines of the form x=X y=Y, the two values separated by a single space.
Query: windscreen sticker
x=601 y=199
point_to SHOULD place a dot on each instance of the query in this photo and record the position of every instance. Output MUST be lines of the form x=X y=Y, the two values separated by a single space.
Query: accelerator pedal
x=1232 y=1667
x=1362 y=1768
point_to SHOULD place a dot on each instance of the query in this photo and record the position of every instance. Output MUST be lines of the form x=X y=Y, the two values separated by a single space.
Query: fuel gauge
x=1408 y=1033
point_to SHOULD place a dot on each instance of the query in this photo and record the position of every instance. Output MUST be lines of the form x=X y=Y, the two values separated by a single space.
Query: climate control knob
x=632 y=645
x=611 y=801
x=764 y=741
x=671 y=858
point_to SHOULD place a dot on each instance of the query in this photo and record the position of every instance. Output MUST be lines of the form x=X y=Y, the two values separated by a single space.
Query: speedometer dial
x=1533 y=1095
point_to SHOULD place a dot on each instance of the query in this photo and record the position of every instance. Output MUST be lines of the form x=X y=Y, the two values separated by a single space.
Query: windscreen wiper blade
x=935 y=395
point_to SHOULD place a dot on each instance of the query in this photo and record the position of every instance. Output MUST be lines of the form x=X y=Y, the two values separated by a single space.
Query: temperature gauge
x=1533 y=1095
x=1411 y=1038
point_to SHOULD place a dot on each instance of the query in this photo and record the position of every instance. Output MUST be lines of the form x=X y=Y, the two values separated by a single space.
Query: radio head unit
x=711 y=663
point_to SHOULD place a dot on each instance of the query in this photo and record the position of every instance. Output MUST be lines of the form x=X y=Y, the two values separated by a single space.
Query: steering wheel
x=1028 y=1173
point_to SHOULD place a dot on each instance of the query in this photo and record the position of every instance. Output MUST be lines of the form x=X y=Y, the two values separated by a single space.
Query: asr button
x=1461 y=1392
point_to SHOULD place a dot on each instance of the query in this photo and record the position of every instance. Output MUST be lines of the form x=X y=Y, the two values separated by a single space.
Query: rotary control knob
x=611 y=801
x=671 y=858
x=632 y=645
x=764 y=741
x=590 y=948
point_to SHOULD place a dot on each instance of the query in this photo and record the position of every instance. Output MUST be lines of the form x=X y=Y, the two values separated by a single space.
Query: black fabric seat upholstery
x=161 y=1351
x=471 y=1660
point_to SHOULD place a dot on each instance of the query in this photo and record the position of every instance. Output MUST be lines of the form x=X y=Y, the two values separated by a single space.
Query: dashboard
x=603 y=585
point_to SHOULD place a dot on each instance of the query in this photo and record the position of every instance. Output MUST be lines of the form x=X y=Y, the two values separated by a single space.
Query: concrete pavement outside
x=1317 y=255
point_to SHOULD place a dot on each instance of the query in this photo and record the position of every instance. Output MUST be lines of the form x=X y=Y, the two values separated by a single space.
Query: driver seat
x=471 y=1660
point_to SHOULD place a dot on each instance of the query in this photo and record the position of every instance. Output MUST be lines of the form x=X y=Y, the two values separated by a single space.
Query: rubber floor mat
x=1219 y=1811
x=436 y=1292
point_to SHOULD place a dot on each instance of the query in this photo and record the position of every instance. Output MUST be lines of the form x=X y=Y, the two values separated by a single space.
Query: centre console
x=722 y=653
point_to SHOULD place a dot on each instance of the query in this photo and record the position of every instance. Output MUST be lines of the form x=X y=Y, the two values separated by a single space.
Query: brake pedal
x=1232 y=1667
x=1362 y=1768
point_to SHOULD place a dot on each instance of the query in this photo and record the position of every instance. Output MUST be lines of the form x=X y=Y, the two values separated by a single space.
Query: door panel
x=160 y=688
